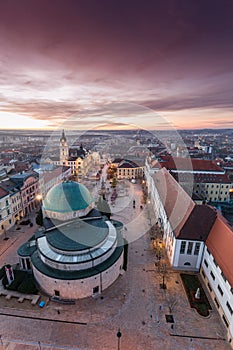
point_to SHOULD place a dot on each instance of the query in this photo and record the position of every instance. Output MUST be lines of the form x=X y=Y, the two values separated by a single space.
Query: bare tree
x=171 y=301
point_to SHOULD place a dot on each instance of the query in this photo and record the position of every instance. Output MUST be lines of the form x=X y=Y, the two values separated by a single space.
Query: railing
x=62 y=301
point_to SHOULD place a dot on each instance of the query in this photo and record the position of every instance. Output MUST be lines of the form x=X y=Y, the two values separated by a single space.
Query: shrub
x=23 y=283
x=27 y=286
x=2 y=272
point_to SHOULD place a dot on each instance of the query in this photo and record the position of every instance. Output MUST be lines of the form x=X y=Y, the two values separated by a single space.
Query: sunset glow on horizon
x=72 y=63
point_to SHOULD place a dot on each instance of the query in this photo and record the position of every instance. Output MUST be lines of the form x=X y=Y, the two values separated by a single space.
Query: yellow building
x=128 y=169
x=78 y=159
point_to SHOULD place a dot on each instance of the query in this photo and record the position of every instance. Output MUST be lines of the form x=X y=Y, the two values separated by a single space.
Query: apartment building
x=197 y=238
x=5 y=211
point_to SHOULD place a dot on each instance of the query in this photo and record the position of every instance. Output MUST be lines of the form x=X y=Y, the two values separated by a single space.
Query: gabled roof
x=202 y=178
x=125 y=164
x=188 y=220
x=199 y=223
x=186 y=164
x=220 y=243
x=177 y=203
x=49 y=175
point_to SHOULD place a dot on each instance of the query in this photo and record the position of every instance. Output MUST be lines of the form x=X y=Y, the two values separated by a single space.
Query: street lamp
x=39 y=198
x=119 y=338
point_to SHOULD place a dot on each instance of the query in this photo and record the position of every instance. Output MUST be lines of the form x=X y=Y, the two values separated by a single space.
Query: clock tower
x=64 y=148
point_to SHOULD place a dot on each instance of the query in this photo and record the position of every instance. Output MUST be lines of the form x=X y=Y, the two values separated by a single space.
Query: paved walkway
x=134 y=303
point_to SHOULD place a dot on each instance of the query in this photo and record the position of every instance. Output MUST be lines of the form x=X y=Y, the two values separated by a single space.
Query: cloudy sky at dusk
x=95 y=63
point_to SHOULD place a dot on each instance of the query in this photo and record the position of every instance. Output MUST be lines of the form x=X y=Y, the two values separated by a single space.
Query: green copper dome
x=66 y=197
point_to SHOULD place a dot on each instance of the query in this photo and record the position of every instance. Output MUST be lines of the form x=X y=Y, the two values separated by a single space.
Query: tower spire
x=63 y=137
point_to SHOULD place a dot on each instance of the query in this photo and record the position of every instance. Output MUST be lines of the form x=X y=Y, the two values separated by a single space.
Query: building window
x=229 y=308
x=203 y=273
x=182 y=247
x=197 y=248
x=96 y=290
x=208 y=251
x=190 y=248
x=216 y=302
x=212 y=275
x=28 y=264
x=223 y=276
x=57 y=293
x=215 y=262
x=220 y=290
x=225 y=321
x=209 y=286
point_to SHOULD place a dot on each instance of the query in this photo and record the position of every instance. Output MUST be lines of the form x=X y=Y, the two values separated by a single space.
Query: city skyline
x=83 y=65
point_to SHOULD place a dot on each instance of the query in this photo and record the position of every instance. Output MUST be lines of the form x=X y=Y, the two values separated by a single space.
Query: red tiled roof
x=188 y=220
x=3 y=193
x=49 y=175
x=212 y=178
x=202 y=178
x=177 y=203
x=187 y=164
x=220 y=243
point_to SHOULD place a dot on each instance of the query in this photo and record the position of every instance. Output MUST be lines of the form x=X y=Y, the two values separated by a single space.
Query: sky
x=116 y=64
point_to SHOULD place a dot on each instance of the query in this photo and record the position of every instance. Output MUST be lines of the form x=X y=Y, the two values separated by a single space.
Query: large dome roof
x=66 y=197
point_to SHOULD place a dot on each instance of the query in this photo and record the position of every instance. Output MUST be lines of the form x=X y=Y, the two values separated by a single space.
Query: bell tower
x=64 y=148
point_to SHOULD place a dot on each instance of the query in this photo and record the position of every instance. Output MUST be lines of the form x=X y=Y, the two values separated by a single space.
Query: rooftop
x=177 y=203
x=78 y=235
x=220 y=243
x=71 y=275
x=199 y=223
x=187 y=164
x=67 y=196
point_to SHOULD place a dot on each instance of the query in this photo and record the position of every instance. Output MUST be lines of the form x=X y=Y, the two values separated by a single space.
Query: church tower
x=64 y=148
